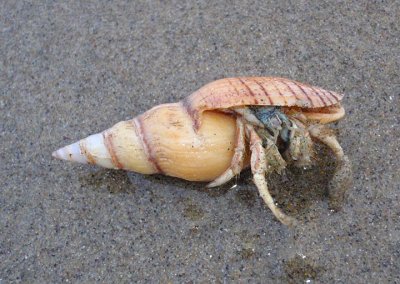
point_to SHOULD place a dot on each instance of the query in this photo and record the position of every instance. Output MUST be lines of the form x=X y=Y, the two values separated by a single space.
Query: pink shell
x=269 y=91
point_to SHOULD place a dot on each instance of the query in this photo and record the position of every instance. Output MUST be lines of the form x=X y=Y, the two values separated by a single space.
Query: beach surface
x=69 y=69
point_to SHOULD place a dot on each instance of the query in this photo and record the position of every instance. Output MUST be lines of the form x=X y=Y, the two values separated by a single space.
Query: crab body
x=220 y=129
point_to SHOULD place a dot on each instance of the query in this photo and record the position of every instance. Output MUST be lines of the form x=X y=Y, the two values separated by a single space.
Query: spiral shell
x=162 y=140
x=195 y=139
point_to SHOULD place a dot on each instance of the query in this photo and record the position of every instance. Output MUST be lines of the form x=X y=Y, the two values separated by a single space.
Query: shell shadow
x=151 y=181
x=115 y=182
x=295 y=190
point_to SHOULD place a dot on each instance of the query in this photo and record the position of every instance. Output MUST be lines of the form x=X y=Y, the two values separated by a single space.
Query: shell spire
x=118 y=147
x=90 y=150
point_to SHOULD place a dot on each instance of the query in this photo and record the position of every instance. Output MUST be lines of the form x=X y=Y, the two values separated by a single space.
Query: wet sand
x=70 y=70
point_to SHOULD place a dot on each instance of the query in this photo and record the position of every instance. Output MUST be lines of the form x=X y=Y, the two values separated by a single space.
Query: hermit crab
x=222 y=128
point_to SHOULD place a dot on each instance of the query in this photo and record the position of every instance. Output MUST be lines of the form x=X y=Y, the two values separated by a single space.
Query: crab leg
x=238 y=157
x=259 y=168
x=342 y=177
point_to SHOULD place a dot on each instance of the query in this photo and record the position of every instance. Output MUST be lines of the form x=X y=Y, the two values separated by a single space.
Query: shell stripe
x=108 y=137
x=193 y=114
x=306 y=93
x=295 y=94
x=249 y=90
x=322 y=96
x=89 y=157
x=279 y=91
x=267 y=95
x=234 y=87
x=140 y=132
x=331 y=98
x=333 y=95
x=290 y=89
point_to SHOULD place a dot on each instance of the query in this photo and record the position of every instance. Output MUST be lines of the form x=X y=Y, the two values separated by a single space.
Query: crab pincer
x=225 y=126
